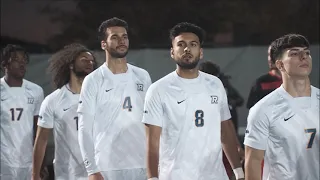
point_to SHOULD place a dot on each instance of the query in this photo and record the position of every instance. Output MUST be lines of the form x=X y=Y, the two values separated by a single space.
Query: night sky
x=22 y=19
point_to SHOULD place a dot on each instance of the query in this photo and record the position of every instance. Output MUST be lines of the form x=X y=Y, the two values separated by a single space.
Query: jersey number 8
x=199 y=121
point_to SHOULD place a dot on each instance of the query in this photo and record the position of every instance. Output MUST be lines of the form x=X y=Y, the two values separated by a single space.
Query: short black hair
x=279 y=45
x=185 y=27
x=113 y=22
x=209 y=68
x=8 y=50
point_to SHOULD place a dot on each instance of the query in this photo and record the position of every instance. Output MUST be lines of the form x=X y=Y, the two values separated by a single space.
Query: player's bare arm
x=239 y=148
x=229 y=145
x=39 y=151
x=253 y=161
x=35 y=122
x=153 y=139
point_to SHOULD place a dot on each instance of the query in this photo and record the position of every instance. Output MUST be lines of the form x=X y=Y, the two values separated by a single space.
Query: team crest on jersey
x=140 y=87
x=214 y=99
x=30 y=100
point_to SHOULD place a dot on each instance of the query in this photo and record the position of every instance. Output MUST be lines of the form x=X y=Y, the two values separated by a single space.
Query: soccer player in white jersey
x=189 y=110
x=283 y=127
x=111 y=135
x=20 y=104
x=58 y=111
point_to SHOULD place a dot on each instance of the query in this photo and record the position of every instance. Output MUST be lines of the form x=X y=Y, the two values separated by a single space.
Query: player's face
x=186 y=50
x=117 y=42
x=296 y=62
x=83 y=65
x=17 y=65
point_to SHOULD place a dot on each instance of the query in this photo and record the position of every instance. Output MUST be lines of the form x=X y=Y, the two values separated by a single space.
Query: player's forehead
x=296 y=49
x=116 y=30
x=186 y=37
x=86 y=55
x=18 y=54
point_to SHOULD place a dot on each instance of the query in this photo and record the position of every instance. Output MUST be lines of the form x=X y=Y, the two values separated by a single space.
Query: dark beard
x=79 y=74
x=192 y=65
x=115 y=54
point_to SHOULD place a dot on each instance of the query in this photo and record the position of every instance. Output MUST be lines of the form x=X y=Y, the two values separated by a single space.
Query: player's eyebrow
x=296 y=49
x=183 y=41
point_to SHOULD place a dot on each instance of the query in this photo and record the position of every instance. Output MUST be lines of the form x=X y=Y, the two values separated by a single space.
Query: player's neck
x=297 y=87
x=12 y=81
x=117 y=65
x=75 y=84
x=187 y=73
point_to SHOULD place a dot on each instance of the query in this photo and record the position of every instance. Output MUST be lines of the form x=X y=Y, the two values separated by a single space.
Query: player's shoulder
x=211 y=80
x=32 y=86
x=267 y=103
x=139 y=72
x=54 y=96
x=95 y=76
x=164 y=81
x=315 y=89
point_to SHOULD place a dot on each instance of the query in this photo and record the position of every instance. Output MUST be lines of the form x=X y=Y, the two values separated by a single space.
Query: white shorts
x=126 y=174
x=14 y=173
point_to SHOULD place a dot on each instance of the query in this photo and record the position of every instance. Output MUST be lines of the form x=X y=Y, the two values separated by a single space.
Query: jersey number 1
x=13 y=110
x=127 y=103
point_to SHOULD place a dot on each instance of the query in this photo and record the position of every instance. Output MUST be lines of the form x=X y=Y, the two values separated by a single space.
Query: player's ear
x=103 y=44
x=171 y=53
x=279 y=65
x=201 y=53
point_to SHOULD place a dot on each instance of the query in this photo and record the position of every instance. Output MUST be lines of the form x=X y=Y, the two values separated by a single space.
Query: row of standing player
x=175 y=108
x=122 y=140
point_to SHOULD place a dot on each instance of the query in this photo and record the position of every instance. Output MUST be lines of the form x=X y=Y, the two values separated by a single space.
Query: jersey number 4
x=127 y=103
x=313 y=132
x=15 y=111
x=199 y=121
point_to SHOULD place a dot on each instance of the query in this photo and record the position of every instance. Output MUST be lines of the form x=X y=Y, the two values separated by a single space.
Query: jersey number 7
x=313 y=132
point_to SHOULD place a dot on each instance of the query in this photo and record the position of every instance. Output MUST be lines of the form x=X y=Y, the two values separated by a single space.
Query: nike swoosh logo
x=286 y=119
x=180 y=101
x=66 y=109
x=109 y=90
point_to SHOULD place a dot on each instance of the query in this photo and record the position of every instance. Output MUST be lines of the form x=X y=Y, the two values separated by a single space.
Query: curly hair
x=8 y=50
x=60 y=61
x=279 y=45
x=185 y=27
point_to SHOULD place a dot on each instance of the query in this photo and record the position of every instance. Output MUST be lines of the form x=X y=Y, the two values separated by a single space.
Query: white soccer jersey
x=115 y=103
x=59 y=111
x=19 y=105
x=287 y=129
x=190 y=112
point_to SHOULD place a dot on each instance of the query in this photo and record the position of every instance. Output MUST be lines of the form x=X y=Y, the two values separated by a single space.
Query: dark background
x=45 y=26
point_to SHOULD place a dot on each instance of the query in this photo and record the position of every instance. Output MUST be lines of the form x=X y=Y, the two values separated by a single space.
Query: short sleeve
x=224 y=108
x=153 y=110
x=38 y=102
x=257 y=131
x=46 y=114
x=87 y=99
